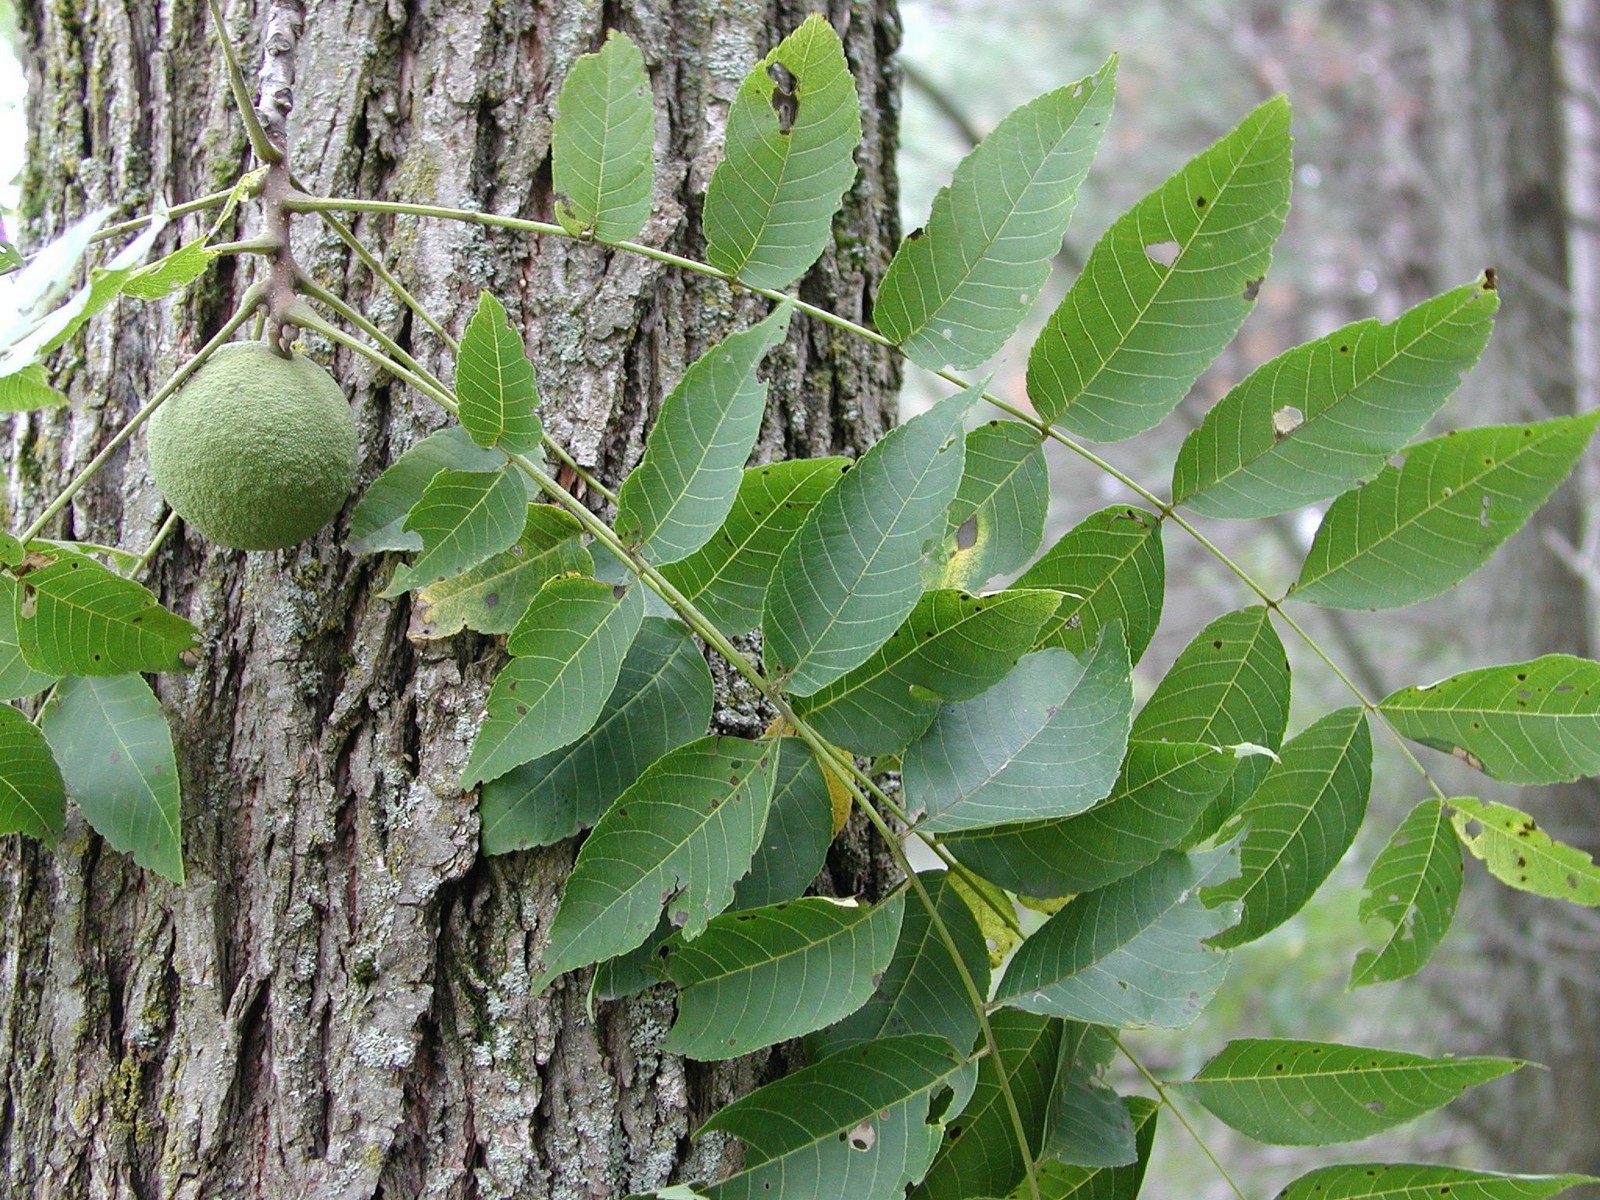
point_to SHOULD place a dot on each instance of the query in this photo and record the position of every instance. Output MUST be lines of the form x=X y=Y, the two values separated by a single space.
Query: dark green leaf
x=117 y=760
x=1323 y=416
x=492 y=596
x=602 y=143
x=798 y=834
x=676 y=498
x=1533 y=722
x=570 y=648
x=378 y=522
x=1292 y=1093
x=853 y=572
x=494 y=383
x=1057 y=1181
x=679 y=838
x=1419 y=529
x=1521 y=855
x=1138 y=952
x=958 y=288
x=1111 y=567
x=997 y=520
x=1300 y=822
x=463 y=518
x=17 y=678
x=788 y=158
x=33 y=799
x=662 y=699
x=1412 y=887
x=1167 y=287
x=1046 y=741
x=1087 y=1124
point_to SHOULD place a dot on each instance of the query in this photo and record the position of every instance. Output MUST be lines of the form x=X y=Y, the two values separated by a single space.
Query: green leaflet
x=1300 y=822
x=1167 y=287
x=75 y=617
x=28 y=389
x=117 y=760
x=1323 y=416
x=1533 y=722
x=1046 y=741
x=1159 y=794
x=463 y=518
x=602 y=143
x=787 y=161
x=33 y=798
x=863 y=1123
x=679 y=838
x=1412 y=888
x=727 y=577
x=495 y=388
x=1139 y=952
x=1229 y=687
x=1412 y=1181
x=173 y=273
x=1291 y=1093
x=1110 y=567
x=979 y=1156
x=958 y=288
x=1419 y=529
x=17 y=678
x=378 y=522
x=798 y=834
x=569 y=649
x=1086 y=1123
x=492 y=596
x=1057 y=1181
x=953 y=646
x=11 y=552
x=764 y=975
x=921 y=992
x=1521 y=855
x=997 y=520
x=662 y=699
x=677 y=497
x=853 y=572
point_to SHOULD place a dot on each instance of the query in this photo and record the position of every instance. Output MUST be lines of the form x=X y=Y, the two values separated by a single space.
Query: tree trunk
x=337 y=1002
x=1528 y=990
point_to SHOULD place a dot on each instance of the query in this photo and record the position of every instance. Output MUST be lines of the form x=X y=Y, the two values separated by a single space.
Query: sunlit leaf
x=494 y=382
x=853 y=572
x=29 y=389
x=1412 y=888
x=953 y=646
x=1291 y=1093
x=728 y=576
x=17 y=678
x=959 y=287
x=997 y=520
x=33 y=799
x=378 y=522
x=1138 y=952
x=1521 y=855
x=116 y=756
x=1533 y=722
x=676 y=498
x=463 y=518
x=569 y=650
x=788 y=158
x=1419 y=529
x=75 y=617
x=1046 y=741
x=662 y=699
x=1326 y=415
x=170 y=274
x=602 y=143
x=1110 y=567
x=1167 y=287
x=1300 y=822
x=1415 y=1181
x=763 y=975
x=678 y=838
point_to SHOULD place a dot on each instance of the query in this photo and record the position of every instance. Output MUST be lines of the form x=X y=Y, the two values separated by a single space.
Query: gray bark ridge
x=337 y=1003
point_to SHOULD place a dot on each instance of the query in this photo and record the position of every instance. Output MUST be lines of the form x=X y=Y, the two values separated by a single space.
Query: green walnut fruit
x=255 y=451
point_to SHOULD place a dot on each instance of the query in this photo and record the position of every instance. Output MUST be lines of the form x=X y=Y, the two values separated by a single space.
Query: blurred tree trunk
x=1532 y=989
x=336 y=1004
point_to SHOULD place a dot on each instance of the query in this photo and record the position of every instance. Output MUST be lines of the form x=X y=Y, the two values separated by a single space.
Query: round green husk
x=255 y=451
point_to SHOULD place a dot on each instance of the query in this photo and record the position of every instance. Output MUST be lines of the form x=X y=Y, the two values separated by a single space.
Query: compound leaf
x=788 y=158
x=116 y=754
x=1412 y=887
x=1167 y=287
x=1325 y=415
x=958 y=288
x=602 y=143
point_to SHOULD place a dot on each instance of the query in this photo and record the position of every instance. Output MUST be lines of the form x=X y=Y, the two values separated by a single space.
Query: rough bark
x=337 y=1001
x=1530 y=990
